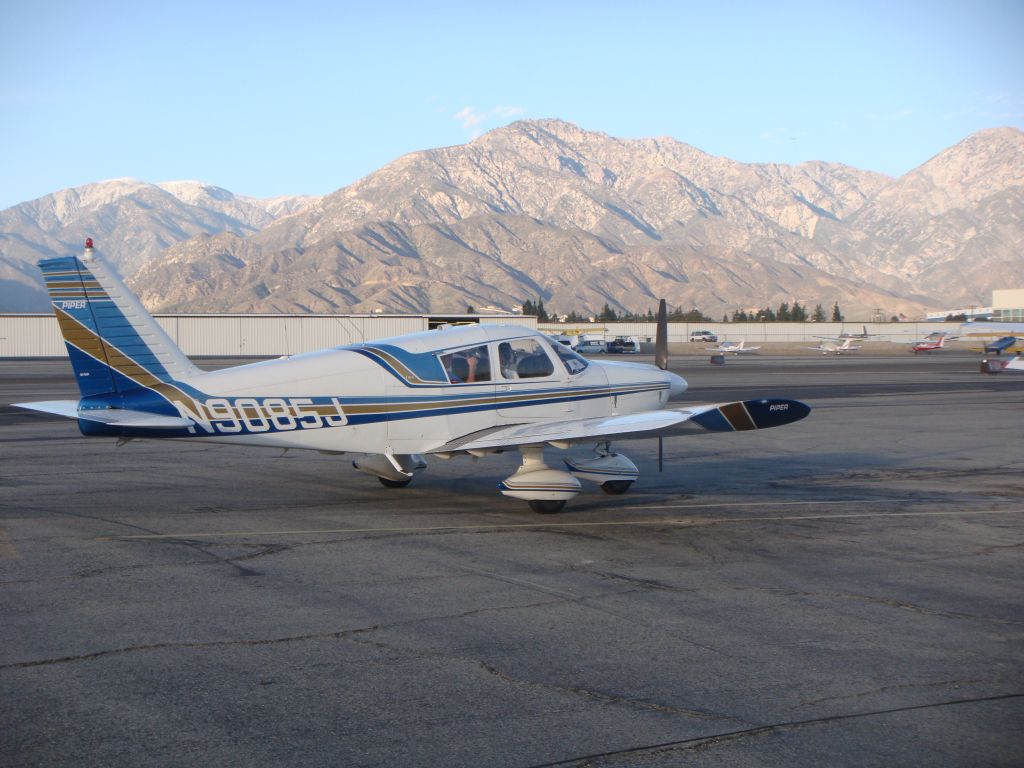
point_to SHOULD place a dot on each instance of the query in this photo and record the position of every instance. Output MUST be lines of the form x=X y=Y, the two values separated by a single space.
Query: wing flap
x=738 y=416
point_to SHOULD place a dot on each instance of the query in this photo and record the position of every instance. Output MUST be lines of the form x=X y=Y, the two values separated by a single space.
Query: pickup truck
x=623 y=345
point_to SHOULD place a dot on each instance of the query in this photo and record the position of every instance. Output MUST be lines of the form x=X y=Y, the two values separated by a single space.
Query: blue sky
x=269 y=98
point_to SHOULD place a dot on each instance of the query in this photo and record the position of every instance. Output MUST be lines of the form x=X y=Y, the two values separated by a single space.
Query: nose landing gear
x=545 y=489
x=612 y=471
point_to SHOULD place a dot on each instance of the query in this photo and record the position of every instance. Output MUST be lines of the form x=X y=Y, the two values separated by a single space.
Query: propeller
x=661 y=360
x=661 y=338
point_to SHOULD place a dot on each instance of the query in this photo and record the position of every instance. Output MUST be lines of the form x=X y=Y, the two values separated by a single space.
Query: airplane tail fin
x=114 y=344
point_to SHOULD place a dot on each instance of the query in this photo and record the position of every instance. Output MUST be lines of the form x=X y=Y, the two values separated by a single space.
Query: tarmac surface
x=845 y=591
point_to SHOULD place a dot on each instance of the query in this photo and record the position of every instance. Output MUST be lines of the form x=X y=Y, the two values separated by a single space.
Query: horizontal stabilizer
x=113 y=417
x=68 y=408
x=118 y=417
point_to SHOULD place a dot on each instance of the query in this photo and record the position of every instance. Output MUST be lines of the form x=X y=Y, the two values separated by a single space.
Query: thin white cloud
x=475 y=121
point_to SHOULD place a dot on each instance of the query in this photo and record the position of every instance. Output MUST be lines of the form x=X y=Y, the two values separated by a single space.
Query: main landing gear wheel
x=616 y=487
x=394 y=483
x=546 y=507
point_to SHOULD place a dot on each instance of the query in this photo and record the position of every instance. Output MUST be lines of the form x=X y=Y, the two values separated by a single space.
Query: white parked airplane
x=835 y=348
x=464 y=390
x=733 y=348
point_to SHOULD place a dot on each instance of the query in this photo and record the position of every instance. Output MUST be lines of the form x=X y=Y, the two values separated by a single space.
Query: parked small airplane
x=470 y=390
x=863 y=335
x=835 y=348
x=1000 y=345
x=733 y=348
x=929 y=345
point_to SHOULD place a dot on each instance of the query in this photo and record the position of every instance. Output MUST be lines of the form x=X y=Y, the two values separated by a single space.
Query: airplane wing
x=115 y=417
x=722 y=417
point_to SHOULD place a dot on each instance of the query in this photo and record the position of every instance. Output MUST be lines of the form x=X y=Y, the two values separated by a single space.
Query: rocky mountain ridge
x=135 y=221
x=542 y=208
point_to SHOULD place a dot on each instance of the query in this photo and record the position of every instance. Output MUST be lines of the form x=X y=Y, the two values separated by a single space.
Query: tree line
x=784 y=314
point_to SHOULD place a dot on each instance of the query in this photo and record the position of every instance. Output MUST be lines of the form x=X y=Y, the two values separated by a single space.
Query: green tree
x=542 y=315
x=837 y=316
x=798 y=314
x=470 y=310
x=819 y=314
x=783 y=314
x=691 y=316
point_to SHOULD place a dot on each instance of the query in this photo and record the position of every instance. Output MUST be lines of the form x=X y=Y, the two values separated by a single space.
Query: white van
x=592 y=345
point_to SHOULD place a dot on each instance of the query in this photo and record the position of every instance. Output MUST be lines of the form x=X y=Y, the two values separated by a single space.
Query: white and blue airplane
x=733 y=348
x=394 y=402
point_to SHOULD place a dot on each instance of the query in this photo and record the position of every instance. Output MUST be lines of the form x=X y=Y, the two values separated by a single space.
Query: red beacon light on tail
x=88 y=242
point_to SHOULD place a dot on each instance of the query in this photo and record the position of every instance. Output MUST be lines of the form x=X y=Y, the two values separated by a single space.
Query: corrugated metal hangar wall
x=273 y=335
x=239 y=335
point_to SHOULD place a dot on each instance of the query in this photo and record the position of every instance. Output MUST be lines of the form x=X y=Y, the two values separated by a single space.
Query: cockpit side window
x=573 y=363
x=467 y=366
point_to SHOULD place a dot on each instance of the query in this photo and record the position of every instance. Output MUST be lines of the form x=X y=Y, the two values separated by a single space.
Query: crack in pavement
x=575 y=691
x=353 y=635
x=344 y=634
x=611 y=698
x=888 y=688
x=201 y=547
x=892 y=602
x=701 y=742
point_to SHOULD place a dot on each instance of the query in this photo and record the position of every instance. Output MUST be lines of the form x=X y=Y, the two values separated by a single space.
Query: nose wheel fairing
x=613 y=472
x=605 y=467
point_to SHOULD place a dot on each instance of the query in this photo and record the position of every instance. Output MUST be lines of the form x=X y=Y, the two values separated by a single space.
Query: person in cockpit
x=507 y=359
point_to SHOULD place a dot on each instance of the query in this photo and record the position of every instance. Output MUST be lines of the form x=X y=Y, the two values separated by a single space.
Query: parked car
x=626 y=345
x=704 y=336
x=592 y=347
x=561 y=338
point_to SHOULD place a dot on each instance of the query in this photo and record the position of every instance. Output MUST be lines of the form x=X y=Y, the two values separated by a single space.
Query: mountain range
x=545 y=209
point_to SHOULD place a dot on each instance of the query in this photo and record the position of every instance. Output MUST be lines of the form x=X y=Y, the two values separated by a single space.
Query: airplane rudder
x=72 y=290
x=114 y=344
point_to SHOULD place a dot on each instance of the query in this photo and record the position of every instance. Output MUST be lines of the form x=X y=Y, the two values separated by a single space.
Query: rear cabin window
x=467 y=366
